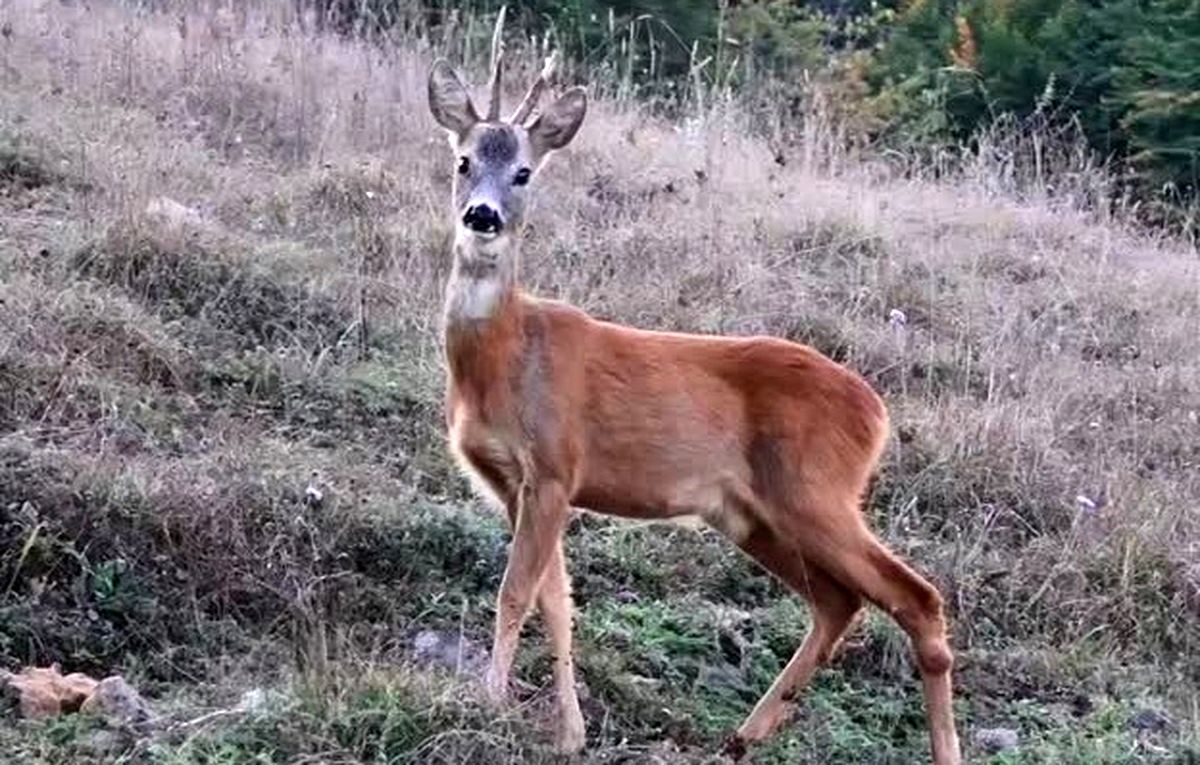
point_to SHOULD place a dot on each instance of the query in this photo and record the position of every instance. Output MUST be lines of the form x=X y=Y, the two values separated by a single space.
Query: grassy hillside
x=222 y=465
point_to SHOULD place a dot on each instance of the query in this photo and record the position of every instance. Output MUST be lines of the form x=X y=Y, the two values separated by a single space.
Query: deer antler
x=497 y=63
x=529 y=102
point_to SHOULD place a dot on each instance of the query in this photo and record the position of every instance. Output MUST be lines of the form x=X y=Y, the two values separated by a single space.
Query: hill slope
x=222 y=466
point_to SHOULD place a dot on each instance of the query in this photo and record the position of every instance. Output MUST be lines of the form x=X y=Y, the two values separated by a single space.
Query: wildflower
x=313 y=496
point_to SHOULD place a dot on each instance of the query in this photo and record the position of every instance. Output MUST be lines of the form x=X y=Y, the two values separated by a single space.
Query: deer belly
x=712 y=499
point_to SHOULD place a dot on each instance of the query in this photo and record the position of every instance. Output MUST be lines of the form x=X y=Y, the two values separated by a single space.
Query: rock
x=1150 y=721
x=118 y=704
x=42 y=692
x=257 y=701
x=253 y=700
x=993 y=740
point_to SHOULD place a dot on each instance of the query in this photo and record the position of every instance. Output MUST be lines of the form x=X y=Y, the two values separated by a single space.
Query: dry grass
x=224 y=235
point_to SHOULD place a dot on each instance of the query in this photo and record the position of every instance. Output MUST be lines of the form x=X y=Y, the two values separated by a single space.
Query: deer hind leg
x=541 y=515
x=834 y=610
x=554 y=601
x=849 y=552
x=917 y=607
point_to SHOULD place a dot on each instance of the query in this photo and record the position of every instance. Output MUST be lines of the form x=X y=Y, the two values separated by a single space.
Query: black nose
x=483 y=219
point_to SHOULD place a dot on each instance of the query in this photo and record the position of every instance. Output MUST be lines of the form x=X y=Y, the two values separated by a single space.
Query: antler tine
x=529 y=103
x=497 y=64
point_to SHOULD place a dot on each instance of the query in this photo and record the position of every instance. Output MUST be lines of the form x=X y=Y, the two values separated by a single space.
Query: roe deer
x=768 y=441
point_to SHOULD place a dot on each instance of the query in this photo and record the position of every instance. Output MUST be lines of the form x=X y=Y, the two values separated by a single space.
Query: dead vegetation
x=183 y=279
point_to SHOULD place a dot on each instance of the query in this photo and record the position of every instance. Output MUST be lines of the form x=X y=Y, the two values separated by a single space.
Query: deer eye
x=464 y=165
x=522 y=177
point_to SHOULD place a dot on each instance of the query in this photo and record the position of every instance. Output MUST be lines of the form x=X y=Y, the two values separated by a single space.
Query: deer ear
x=556 y=126
x=449 y=101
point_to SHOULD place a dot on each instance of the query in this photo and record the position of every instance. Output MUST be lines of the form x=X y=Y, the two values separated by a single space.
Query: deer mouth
x=485 y=244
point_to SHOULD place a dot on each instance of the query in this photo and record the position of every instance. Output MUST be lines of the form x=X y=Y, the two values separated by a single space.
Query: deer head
x=497 y=159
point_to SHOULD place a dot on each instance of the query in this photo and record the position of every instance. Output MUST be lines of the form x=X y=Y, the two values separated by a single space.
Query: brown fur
x=769 y=441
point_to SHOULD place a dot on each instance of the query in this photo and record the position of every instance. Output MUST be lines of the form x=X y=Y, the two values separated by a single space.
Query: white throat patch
x=473 y=298
x=483 y=270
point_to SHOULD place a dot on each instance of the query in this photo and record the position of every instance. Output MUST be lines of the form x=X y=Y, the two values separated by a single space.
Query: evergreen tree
x=1158 y=93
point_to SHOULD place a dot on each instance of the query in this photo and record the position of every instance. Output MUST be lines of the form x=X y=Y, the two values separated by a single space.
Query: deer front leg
x=554 y=601
x=537 y=530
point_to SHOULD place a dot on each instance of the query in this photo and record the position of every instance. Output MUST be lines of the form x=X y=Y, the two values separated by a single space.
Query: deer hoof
x=734 y=747
x=570 y=737
x=495 y=688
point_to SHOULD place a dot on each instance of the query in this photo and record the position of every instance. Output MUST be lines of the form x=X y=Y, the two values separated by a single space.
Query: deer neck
x=483 y=282
x=482 y=315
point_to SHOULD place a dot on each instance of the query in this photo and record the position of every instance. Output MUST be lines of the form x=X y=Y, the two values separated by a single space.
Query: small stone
x=118 y=704
x=253 y=700
x=1150 y=721
x=993 y=740
x=313 y=496
x=425 y=643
